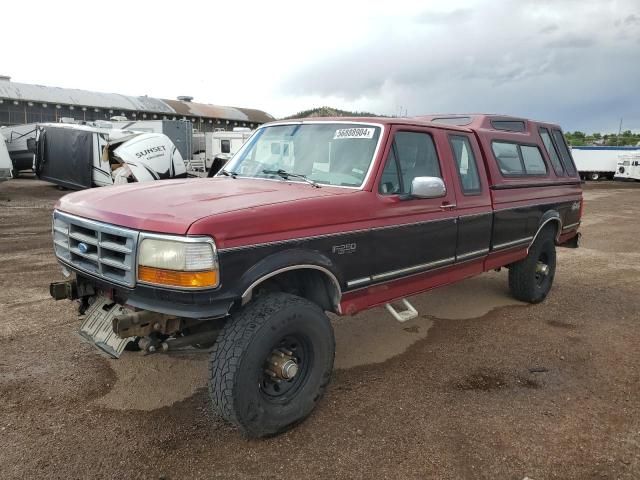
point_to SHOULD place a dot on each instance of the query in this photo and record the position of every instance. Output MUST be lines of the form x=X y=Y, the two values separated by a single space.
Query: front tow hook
x=64 y=290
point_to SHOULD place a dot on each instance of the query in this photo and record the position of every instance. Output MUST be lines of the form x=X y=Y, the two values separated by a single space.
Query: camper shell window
x=565 y=156
x=551 y=151
x=508 y=125
x=458 y=121
x=516 y=160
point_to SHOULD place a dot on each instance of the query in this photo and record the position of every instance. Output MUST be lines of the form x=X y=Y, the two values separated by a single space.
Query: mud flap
x=97 y=327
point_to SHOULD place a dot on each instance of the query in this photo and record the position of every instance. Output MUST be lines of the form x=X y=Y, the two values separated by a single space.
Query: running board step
x=405 y=315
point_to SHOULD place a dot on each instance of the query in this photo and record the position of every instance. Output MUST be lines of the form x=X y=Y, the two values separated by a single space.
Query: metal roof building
x=26 y=103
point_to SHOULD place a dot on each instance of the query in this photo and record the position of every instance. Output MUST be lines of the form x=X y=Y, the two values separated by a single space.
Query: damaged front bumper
x=200 y=305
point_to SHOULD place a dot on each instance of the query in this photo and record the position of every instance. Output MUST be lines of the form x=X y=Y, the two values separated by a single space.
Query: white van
x=628 y=167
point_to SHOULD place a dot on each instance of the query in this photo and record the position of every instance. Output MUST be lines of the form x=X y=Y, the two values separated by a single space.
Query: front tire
x=271 y=364
x=530 y=279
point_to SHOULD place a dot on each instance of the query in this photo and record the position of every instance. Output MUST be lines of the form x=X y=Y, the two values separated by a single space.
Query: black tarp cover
x=65 y=157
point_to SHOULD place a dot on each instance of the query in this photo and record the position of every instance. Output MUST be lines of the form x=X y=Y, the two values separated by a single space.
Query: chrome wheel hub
x=282 y=365
x=542 y=269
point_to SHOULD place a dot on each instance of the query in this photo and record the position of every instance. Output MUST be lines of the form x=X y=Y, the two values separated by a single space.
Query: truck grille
x=103 y=250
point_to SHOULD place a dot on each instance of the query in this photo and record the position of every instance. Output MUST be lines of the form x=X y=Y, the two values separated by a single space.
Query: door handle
x=448 y=206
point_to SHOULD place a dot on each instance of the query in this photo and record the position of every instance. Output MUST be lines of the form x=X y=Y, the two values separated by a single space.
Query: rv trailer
x=214 y=149
x=180 y=132
x=95 y=155
x=17 y=137
x=6 y=166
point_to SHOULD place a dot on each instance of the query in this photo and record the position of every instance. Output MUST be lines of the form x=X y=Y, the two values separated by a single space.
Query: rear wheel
x=531 y=279
x=594 y=176
x=271 y=363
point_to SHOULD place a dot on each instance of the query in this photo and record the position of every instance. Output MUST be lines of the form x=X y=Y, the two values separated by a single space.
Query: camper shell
x=312 y=216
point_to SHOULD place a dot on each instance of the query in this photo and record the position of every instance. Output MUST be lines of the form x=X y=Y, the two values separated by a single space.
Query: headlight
x=183 y=263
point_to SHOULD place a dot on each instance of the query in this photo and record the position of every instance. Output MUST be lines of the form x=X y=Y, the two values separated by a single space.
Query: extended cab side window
x=225 y=146
x=412 y=155
x=465 y=164
x=551 y=150
x=564 y=152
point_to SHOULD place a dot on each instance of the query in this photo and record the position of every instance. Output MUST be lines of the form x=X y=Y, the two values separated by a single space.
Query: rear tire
x=530 y=280
x=594 y=176
x=242 y=387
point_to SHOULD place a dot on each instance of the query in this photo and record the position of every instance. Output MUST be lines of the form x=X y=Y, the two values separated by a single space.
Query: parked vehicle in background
x=216 y=148
x=180 y=132
x=95 y=155
x=6 y=166
x=314 y=216
x=595 y=163
x=17 y=137
x=628 y=166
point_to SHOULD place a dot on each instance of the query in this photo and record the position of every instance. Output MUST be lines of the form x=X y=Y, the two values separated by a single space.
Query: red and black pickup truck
x=316 y=216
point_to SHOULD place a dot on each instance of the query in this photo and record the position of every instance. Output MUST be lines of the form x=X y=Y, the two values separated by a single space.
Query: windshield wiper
x=229 y=174
x=284 y=174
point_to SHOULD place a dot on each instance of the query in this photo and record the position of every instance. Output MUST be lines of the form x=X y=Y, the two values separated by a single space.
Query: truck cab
x=313 y=216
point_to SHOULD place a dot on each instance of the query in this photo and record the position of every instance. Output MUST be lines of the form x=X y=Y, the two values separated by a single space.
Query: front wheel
x=531 y=279
x=271 y=364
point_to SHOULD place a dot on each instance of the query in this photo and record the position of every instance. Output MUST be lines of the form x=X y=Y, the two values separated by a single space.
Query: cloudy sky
x=573 y=62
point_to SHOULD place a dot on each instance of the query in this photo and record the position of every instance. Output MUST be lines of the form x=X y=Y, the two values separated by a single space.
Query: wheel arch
x=550 y=217
x=307 y=267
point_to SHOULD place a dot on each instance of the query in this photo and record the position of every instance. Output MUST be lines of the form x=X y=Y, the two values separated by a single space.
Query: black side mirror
x=31 y=145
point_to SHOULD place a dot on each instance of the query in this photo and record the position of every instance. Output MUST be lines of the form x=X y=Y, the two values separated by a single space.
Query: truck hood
x=171 y=206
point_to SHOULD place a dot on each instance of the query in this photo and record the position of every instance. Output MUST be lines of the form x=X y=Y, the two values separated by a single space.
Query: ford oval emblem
x=83 y=247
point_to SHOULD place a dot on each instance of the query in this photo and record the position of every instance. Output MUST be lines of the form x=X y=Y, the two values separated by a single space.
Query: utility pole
x=619 y=132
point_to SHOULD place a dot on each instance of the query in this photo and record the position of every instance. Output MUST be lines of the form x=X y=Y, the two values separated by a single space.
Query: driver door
x=419 y=234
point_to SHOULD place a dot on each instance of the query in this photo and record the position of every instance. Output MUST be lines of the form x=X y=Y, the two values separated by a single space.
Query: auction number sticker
x=355 y=132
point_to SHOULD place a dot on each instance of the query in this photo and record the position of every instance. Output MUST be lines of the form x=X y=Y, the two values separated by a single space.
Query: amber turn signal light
x=173 y=278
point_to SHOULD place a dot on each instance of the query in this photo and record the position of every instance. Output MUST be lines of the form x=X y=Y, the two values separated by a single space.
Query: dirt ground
x=480 y=387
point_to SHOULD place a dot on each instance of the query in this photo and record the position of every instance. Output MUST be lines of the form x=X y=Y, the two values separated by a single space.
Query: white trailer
x=179 y=131
x=594 y=163
x=628 y=166
x=219 y=145
x=17 y=137
x=94 y=155
x=6 y=167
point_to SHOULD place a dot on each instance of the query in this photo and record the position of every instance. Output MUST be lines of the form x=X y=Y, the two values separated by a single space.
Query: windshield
x=326 y=153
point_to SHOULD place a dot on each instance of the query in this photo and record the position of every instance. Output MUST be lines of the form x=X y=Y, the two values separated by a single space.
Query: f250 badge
x=346 y=248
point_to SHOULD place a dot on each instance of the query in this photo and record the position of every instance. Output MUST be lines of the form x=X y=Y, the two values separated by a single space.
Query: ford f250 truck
x=310 y=217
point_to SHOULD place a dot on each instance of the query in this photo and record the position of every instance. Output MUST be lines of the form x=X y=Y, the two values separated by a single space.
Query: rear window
x=551 y=150
x=565 y=156
x=518 y=160
x=508 y=125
